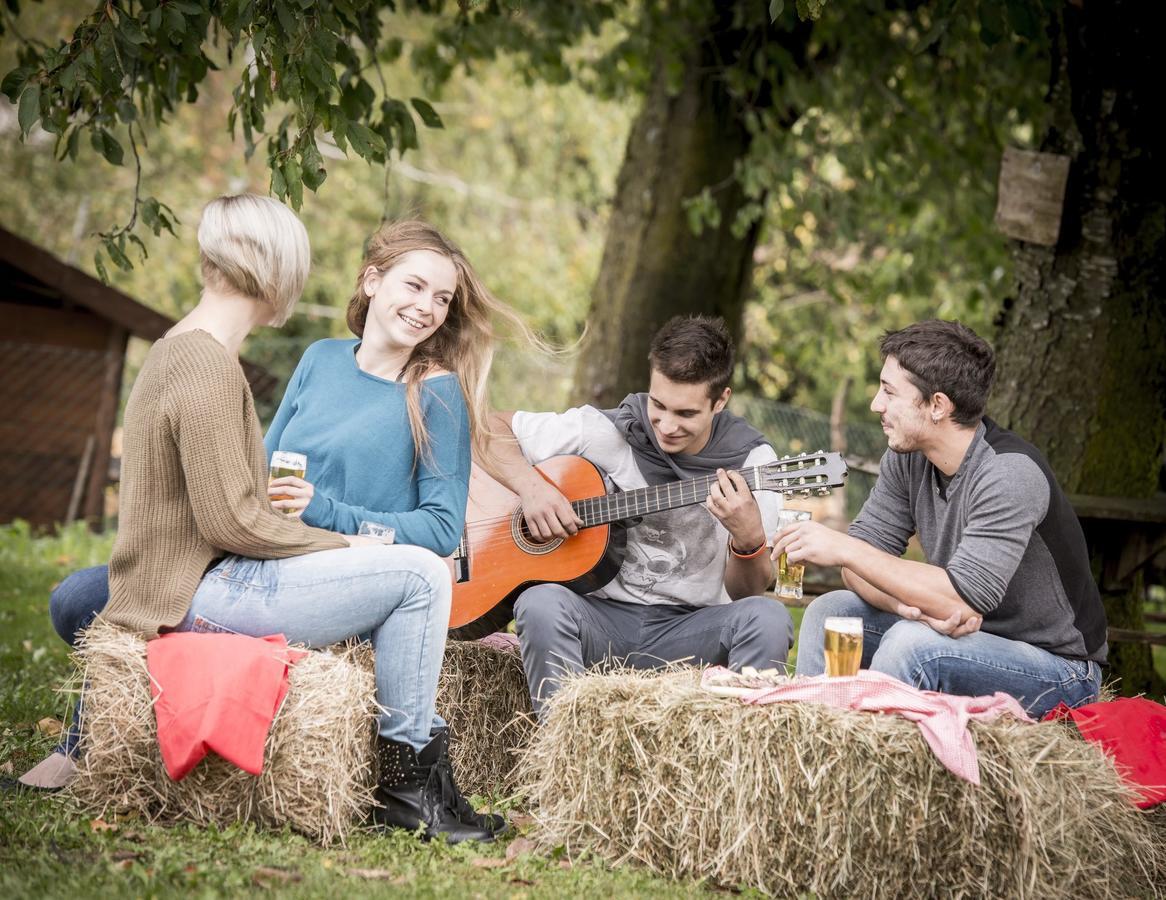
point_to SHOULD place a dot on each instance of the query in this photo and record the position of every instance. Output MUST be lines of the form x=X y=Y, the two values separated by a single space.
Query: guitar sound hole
x=530 y=538
x=527 y=541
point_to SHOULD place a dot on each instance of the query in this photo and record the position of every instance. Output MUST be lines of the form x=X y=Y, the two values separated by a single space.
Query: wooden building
x=63 y=337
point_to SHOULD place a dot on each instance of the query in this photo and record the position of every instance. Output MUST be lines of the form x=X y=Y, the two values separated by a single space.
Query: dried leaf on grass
x=377 y=875
x=50 y=727
x=518 y=846
x=488 y=862
x=265 y=876
x=796 y=798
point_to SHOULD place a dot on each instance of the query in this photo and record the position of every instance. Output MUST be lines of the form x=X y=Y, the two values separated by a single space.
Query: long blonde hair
x=463 y=345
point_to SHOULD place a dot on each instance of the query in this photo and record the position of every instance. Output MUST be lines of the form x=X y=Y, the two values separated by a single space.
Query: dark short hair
x=694 y=350
x=945 y=357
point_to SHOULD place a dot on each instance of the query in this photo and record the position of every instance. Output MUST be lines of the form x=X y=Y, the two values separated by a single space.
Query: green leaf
x=117 y=255
x=100 y=267
x=106 y=144
x=14 y=82
x=131 y=30
x=71 y=144
x=427 y=113
x=137 y=241
x=29 y=110
x=176 y=21
x=287 y=19
x=294 y=176
x=278 y=183
x=775 y=8
x=364 y=140
x=149 y=213
x=313 y=166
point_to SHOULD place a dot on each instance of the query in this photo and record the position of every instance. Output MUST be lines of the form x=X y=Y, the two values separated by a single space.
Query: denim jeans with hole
x=396 y=595
x=973 y=665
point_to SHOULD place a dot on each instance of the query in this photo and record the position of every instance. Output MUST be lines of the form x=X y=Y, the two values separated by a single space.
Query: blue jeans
x=77 y=600
x=284 y=596
x=397 y=594
x=561 y=632
x=974 y=665
x=73 y=604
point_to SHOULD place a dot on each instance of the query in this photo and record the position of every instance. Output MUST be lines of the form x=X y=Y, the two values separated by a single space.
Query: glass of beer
x=843 y=644
x=789 y=575
x=284 y=463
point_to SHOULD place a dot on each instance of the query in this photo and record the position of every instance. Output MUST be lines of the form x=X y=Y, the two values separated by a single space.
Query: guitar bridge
x=461 y=562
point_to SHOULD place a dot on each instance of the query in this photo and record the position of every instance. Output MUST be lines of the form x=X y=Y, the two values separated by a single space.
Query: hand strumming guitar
x=547 y=512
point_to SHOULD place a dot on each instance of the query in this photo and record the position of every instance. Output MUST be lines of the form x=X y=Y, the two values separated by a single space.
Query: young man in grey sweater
x=1006 y=600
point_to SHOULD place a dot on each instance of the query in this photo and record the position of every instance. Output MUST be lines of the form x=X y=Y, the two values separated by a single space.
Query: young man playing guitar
x=1006 y=600
x=690 y=586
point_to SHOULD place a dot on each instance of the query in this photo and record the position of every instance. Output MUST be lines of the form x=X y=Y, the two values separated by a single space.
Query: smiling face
x=902 y=409
x=410 y=301
x=682 y=414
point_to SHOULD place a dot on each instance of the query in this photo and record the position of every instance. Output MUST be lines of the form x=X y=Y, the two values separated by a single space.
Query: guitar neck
x=654 y=498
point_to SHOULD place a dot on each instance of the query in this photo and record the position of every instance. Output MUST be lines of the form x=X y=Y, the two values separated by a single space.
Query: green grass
x=49 y=848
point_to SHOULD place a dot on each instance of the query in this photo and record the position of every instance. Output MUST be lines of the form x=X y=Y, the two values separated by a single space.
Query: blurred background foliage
x=875 y=207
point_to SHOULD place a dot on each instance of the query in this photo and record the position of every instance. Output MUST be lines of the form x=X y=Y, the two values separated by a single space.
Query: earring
x=935 y=419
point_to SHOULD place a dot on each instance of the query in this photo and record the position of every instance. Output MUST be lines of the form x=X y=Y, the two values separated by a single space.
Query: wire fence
x=793 y=430
x=48 y=428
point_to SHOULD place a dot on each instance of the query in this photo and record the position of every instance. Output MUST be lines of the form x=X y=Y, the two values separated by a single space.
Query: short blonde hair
x=257 y=247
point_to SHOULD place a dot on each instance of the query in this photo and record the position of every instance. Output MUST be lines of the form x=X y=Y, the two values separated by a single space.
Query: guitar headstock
x=807 y=474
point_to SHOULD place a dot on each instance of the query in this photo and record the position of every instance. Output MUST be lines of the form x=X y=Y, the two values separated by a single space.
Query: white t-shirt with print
x=676 y=556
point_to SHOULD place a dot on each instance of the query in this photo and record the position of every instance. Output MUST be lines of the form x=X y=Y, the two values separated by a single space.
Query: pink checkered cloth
x=500 y=640
x=942 y=718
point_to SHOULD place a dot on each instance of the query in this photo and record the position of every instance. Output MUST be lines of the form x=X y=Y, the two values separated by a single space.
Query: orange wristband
x=751 y=554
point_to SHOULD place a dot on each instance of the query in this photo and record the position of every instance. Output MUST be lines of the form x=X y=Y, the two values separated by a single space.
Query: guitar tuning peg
x=806 y=493
x=824 y=492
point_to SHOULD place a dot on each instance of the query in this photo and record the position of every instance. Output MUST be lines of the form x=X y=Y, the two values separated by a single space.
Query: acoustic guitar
x=498 y=557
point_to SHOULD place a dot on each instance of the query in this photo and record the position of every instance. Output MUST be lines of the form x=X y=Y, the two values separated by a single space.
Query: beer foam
x=844 y=625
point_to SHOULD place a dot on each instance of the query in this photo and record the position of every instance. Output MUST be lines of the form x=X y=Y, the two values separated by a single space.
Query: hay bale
x=317 y=776
x=482 y=694
x=798 y=798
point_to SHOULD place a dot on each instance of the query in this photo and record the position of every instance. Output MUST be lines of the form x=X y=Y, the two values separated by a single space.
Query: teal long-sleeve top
x=354 y=429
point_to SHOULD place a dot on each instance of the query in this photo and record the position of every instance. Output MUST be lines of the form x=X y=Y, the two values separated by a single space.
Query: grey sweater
x=1006 y=535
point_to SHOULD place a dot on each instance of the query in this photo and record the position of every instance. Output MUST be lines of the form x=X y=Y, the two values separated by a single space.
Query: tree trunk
x=654 y=266
x=1082 y=346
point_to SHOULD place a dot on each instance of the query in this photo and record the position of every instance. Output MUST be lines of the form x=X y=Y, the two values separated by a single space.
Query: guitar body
x=498 y=558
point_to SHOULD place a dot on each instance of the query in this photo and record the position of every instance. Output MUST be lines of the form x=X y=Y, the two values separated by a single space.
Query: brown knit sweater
x=194 y=484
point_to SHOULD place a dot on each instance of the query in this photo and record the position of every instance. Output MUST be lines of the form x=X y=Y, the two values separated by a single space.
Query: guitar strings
x=504 y=536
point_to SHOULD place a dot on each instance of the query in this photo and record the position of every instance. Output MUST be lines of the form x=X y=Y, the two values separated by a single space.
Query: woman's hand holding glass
x=295 y=494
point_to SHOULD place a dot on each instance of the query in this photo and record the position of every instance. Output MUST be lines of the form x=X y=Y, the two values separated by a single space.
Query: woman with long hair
x=386 y=422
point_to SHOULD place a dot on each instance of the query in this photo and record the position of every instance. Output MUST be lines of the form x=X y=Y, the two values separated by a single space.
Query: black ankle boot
x=491 y=822
x=417 y=789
